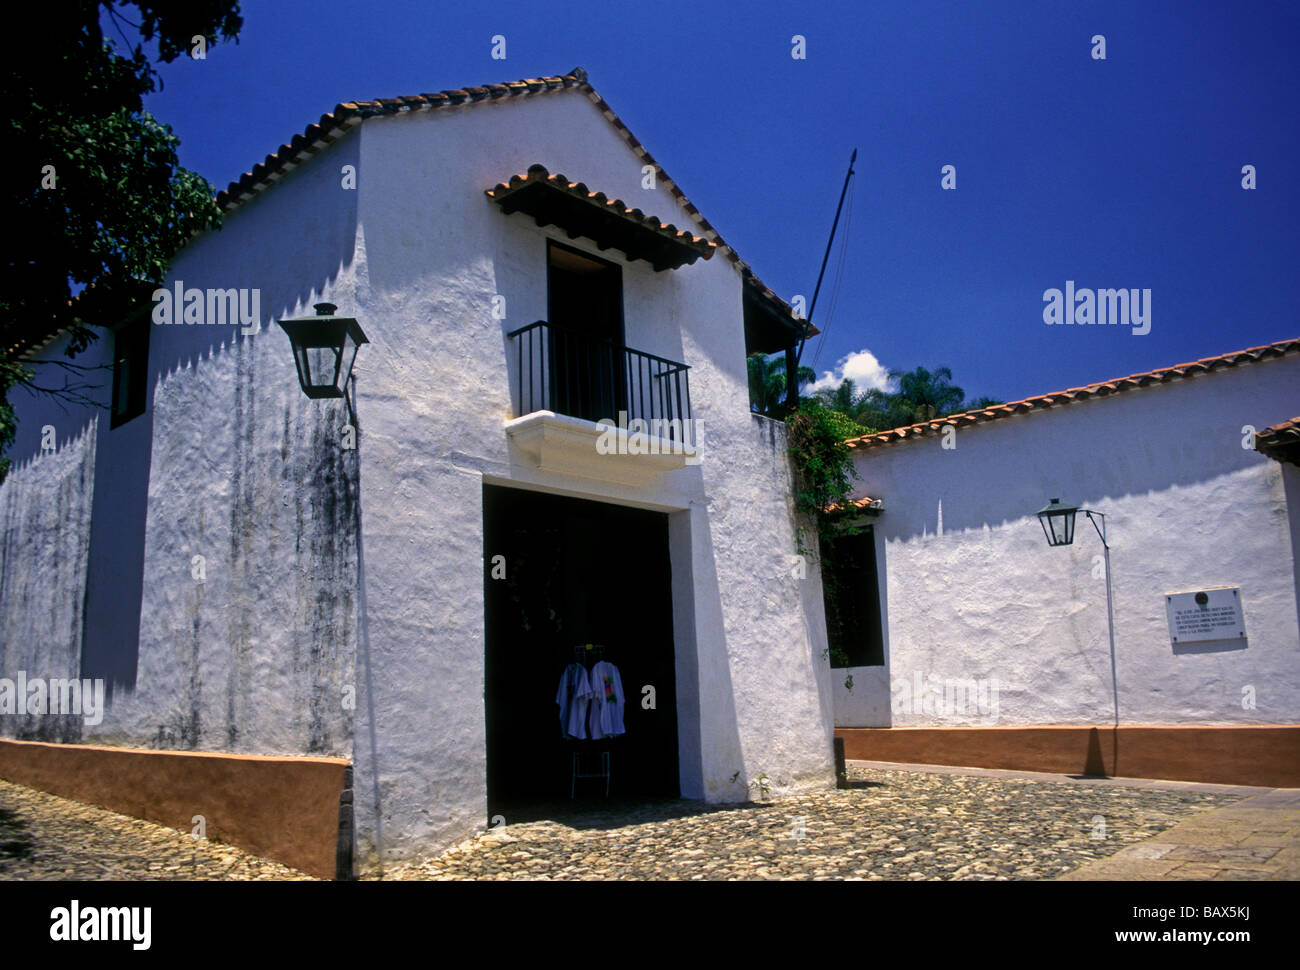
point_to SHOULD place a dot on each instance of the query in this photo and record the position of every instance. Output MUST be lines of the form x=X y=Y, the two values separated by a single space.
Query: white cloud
x=862 y=366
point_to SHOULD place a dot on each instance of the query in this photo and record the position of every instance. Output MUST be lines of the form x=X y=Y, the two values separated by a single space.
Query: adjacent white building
x=983 y=624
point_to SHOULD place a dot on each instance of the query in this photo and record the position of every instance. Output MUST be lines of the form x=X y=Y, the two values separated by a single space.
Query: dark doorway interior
x=585 y=310
x=576 y=572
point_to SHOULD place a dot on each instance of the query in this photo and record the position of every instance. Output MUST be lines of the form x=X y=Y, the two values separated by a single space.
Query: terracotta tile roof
x=1281 y=442
x=335 y=124
x=538 y=175
x=865 y=504
x=1119 y=385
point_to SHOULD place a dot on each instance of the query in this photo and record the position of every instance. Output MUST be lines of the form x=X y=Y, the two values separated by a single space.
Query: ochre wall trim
x=1267 y=755
x=285 y=809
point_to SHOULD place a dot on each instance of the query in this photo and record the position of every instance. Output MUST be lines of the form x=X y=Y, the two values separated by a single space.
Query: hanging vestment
x=573 y=696
x=606 y=717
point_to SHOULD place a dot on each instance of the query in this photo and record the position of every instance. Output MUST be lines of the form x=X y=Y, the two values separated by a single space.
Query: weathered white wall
x=433 y=394
x=241 y=469
x=45 y=507
x=246 y=472
x=974 y=592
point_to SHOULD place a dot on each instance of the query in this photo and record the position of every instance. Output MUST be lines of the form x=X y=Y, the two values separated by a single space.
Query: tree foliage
x=922 y=395
x=823 y=463
x=96 y=203
x=767 y=384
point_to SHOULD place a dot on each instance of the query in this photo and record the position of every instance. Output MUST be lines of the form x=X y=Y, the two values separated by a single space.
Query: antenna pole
x=825 y=258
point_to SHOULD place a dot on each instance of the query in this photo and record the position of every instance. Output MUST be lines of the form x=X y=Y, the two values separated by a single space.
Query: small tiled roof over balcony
x=610 y=223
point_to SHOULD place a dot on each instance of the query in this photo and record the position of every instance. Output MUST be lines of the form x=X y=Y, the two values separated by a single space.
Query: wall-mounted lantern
x=324 y=348
x=1058 y=522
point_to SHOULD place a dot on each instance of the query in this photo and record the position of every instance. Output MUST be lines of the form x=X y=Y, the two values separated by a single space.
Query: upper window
x=130 y=369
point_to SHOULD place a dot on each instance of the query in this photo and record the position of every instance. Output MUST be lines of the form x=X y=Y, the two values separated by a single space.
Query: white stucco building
x=261 y=574
x=983 y=631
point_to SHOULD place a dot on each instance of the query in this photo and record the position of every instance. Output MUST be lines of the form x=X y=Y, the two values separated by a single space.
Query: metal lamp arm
x=1101 y=529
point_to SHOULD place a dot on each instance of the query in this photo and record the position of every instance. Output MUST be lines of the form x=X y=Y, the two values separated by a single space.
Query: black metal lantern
x=324 y=348
x=1058 y=522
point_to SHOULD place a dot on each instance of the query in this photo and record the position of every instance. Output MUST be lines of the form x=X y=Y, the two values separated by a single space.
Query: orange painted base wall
x=1267 y=755
x=285 y=809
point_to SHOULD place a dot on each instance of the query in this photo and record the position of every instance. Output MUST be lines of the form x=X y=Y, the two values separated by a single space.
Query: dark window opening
x=851 y=590
x=130 y=370
x=585 y=339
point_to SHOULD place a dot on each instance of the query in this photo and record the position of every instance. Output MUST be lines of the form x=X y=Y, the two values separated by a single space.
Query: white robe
x=573 y=696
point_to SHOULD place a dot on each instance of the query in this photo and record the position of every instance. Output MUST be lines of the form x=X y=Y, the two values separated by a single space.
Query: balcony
x=601 y=410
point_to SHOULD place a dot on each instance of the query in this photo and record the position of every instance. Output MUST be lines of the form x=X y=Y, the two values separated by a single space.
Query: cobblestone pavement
x=892 y=824
x=43 y=836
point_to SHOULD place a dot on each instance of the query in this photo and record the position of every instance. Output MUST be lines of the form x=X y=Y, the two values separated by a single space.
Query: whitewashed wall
x=973 y=591
x=256 y=652
x=45 y=507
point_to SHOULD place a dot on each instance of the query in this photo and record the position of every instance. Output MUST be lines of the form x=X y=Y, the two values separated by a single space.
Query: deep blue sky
x=1117 y=173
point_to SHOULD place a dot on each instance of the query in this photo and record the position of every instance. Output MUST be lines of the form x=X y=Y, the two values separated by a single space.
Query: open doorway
x=585 y=311
x=574 y=572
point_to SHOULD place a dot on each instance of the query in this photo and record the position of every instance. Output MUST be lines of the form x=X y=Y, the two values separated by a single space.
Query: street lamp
x=1057 y=520
x=324 y=349
x=1058 y=523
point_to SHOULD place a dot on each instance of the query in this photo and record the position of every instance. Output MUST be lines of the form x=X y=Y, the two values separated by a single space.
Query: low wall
x=285 y=809
x=1267 y=755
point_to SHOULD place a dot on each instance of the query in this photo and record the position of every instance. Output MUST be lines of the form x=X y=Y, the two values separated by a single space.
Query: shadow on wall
x=250 y=649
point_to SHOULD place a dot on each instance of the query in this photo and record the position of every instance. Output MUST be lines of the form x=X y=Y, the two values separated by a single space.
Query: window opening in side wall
x=130 y=369
x=851 y=591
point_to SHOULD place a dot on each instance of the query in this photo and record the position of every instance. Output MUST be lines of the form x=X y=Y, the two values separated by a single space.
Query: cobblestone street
x=892 y=824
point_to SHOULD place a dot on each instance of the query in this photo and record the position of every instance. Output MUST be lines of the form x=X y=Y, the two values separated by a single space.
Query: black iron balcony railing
x=570 y=373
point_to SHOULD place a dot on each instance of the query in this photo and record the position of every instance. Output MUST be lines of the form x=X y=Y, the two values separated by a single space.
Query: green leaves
x=921 y=396
x=97 y=203
x=823 y=462
x=767 y=383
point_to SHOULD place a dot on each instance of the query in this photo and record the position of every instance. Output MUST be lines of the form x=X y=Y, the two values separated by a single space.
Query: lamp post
x=1057 y=520
x=324 y=349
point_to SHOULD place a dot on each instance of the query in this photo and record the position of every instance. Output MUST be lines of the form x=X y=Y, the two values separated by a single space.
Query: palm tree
x=927 y=394
x=844 y=398
x=767 y=390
